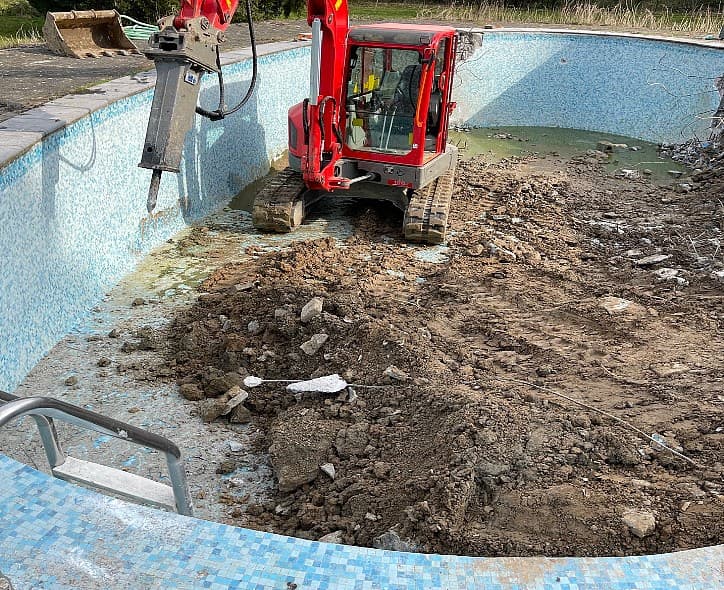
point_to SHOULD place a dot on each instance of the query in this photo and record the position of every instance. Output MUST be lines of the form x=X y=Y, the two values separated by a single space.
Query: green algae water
x=498 y=143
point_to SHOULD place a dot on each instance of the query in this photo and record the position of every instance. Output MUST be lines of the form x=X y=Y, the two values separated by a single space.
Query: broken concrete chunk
x=237 y=396
x=490 y=469
x=353 y=440
x=396 y=374
x=617 y=305
x=334 y=537
x=328 y=469
x=391 y=541
x=254 y=328
x=653 y=259
x=312 y=346
x=312 y=309
x=639 y=522
x=670 y=275
x=211 y=409
x=220 y=385
x=664 y=371
x=234 y=446
x=298 y=447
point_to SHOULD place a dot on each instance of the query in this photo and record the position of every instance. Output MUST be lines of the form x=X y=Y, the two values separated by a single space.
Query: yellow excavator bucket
x=86 y=33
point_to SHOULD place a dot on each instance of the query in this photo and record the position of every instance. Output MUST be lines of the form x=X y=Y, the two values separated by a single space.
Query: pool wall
x=658 y=91
x=72 y=199
x=72 y=206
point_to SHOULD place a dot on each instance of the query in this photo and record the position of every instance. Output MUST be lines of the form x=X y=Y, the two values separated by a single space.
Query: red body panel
x=315 y=136
x=218 y=12
x=317 y=146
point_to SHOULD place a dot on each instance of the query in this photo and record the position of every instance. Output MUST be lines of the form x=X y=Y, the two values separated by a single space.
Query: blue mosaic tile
x=91 y=541
x=652 y=90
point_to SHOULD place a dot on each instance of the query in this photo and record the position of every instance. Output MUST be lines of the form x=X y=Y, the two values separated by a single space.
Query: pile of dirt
x=452 y=438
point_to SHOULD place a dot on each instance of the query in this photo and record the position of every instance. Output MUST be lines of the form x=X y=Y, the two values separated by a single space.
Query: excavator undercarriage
x=283 y=203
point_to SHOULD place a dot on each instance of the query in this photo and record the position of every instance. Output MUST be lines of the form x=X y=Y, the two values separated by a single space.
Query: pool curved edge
x=90 y=541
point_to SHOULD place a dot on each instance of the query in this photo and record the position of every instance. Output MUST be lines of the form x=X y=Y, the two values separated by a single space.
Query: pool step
x=127 y=485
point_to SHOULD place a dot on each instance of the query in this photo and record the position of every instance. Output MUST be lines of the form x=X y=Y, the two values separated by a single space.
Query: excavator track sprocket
x=427 y=212
x=279 y=205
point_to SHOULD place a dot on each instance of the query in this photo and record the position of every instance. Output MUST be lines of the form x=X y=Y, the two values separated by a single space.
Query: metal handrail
x=44 y=409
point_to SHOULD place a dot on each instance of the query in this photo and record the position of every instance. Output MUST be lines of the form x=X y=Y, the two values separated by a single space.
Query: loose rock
x=312 y=346
x=312 y=309
x=641 y=523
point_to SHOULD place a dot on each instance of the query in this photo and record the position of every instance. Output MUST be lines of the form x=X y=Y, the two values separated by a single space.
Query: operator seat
x=405 y=97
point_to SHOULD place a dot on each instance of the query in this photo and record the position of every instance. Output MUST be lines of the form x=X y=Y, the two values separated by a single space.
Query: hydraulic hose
x=220 y=112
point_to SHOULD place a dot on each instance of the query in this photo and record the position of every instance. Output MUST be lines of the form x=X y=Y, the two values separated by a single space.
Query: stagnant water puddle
x=498 y=143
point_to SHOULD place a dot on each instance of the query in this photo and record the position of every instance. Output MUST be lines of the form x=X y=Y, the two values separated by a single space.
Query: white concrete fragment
x=328 y=469
x=653 y=259
x=327 y=384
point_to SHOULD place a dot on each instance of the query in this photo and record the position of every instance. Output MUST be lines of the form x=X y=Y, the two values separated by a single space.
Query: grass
x=19 y=25
x=628 y=16
x=621 y=16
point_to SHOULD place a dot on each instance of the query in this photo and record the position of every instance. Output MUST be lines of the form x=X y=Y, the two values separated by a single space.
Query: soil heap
x=557 y=278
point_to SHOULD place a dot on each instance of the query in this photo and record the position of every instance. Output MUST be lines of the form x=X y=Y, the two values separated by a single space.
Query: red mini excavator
x=374 y=125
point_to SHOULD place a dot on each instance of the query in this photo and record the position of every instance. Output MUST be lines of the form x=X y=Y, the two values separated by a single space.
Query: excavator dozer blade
x=86 y=33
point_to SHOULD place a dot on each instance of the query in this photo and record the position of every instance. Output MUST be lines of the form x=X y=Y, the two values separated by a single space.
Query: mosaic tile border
x=91 y=541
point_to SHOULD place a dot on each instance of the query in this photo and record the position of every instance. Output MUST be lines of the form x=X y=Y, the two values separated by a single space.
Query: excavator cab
x=384 y=95
x=382 y=132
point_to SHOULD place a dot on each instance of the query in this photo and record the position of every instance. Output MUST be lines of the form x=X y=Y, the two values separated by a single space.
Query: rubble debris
x=312 y=309
x=452 y=458
x=312 y=346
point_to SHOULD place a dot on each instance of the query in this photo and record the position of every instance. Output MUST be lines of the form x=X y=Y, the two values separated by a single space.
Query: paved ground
x=30 y=76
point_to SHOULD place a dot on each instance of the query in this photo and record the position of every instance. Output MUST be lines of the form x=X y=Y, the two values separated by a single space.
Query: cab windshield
x=382 y=91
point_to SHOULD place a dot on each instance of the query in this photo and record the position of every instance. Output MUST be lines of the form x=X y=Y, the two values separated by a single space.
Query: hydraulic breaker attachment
x=181 y=58
x=86 y=33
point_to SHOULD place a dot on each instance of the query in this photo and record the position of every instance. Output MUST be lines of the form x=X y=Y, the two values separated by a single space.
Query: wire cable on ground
x=604 y=413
